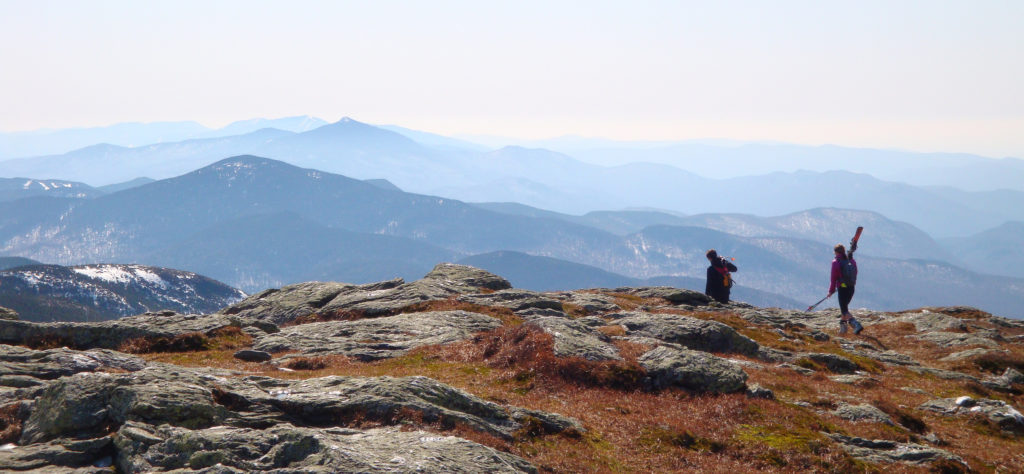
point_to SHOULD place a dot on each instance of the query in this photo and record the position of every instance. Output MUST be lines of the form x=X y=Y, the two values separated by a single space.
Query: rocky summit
x=460 y=372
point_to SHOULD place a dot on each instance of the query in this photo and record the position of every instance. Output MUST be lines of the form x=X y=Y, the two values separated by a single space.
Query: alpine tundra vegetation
x=460 y=372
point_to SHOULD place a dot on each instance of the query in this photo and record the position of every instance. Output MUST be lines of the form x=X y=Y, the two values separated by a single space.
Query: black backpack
x=847 y=273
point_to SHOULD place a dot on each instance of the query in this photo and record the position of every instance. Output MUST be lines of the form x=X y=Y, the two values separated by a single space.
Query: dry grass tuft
x=998 y=362
x=317 y=362
x=528 y=351
x=49 y=341
x=10 y=423
x=574 y=310
x=613 y=330
x=188 y=342
x=225 y=338
x=901 y=415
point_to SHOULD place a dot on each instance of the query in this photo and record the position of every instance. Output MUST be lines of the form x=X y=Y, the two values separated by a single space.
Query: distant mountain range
x=18 y=188
x=724 y=159
x=49 y=142
x=255 y=223
x=549 y=180
x=102 y=292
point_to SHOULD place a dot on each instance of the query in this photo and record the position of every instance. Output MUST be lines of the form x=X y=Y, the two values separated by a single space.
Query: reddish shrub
x=188 y=342
x=10 y=423
x=530 y=349
x=307 y=363
x=48 y=341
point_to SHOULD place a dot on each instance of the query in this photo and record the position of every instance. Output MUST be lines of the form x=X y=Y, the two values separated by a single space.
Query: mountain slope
x=885 y=238
x=135 y=223
x=101 y=292
x=149 y=221
x=998 y=251
x=12 y=262
x=269 y=251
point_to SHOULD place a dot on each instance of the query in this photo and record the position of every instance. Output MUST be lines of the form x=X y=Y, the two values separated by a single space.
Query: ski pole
x=815 y=305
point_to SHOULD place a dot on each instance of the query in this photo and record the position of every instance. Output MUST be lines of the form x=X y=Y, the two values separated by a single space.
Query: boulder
x=54 y=363
x=573 y=338
x=851 y=379
x=1005 y=382
x=286 y=304
x=693 y=333
x=444 y=281
x=885 y=451
x=63 y=455
x=783 y=318
x=467 y=279
x=952 y=339
x=945 y=374
x=862 y=412
x=289 y=448
x=516 y=300
x=89 y=404
x=928 y=321
x=969 y=353
x=692 y=370
x=887 y=357
x=590 y=302
x=757 y=391
x=7 y=313
x=997 y=411
x=675 y=296
x=111 y=334
x=377 y=338
x=384 y=298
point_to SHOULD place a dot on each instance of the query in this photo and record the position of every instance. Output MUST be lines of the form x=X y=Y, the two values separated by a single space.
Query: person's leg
x=845 y=295
x=854 y=324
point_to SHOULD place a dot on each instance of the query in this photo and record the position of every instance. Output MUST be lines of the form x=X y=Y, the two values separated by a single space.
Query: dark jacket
x=715 y=287
x=835 y=281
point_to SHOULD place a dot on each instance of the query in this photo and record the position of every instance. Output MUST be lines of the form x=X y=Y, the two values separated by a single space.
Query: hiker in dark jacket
x=845 y=286
x=719 y=280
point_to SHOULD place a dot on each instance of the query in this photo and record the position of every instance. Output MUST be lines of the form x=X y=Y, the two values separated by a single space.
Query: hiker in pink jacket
x=844 y=279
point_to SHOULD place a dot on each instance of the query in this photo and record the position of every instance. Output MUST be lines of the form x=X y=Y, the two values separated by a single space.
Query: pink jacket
x=837 y=274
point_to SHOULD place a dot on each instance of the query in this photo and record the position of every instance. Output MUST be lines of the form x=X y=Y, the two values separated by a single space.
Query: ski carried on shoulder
x=853 y=242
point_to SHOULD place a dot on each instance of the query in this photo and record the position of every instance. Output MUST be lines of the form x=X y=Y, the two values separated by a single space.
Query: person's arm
x=707 y=286
x=729 y=266
x=834 y=280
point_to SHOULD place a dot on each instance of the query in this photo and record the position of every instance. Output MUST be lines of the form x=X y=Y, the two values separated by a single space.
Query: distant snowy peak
x=106 y=291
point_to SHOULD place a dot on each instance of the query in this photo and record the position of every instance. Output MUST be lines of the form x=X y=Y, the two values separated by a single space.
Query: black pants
x=845 y=295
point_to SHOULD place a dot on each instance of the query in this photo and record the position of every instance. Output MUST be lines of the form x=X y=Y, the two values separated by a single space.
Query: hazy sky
x=929 y=75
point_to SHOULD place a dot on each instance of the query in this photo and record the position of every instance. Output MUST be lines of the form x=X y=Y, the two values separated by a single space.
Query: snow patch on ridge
x=120 y=274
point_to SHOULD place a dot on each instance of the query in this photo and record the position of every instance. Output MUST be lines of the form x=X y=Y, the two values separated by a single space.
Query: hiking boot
x=856 y=325
x=842 y=327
